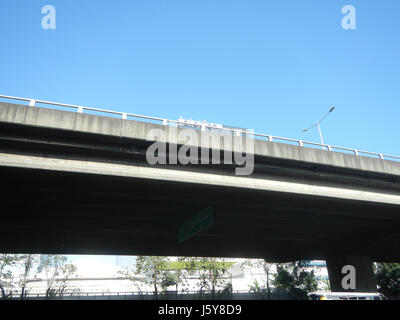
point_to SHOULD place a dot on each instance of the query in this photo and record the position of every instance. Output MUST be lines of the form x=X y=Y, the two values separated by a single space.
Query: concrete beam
x=67 y=120
x=141 y=172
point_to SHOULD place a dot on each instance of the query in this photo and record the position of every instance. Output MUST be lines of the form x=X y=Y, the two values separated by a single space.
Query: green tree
x=388 y=278
x=255 y=287
x=153 y=268
x=212 y=273
x=161 y=272
x=57 y=273
x=267 y=267
x=171 y=278
x=132 y=276
x=177 y=272
x=66 y=272
x=7 y=262
x=296 y=279
x=27 y=261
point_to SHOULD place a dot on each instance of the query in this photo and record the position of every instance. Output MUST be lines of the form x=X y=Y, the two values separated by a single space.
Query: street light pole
x=318 y=124
x=320 y=133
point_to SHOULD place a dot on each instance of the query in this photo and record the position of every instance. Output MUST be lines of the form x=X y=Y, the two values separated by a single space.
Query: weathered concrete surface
x=80 y=183
x=265 y=184
x=74 y=121
x=381 y=192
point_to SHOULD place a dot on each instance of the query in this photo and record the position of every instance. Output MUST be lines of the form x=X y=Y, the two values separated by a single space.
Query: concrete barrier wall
x=89 y=123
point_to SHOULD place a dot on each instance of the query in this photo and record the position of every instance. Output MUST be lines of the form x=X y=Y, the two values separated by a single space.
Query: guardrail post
x=32 y=103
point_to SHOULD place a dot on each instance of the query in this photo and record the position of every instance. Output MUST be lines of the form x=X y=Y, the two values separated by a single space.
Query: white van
x=345 y=296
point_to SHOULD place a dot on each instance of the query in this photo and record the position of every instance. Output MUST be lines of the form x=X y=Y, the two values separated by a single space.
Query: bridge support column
x=364 y=275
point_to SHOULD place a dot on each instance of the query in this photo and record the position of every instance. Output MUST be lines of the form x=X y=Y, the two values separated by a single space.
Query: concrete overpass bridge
x=79 y=183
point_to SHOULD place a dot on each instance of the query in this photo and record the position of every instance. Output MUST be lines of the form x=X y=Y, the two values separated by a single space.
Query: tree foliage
x=296 y=279
x=152 y=267
x=7 y=262
x=162 y=273
x=57 y=272
x=267 y=267
x=28 y=262
x=212 y=273
x=388 y=278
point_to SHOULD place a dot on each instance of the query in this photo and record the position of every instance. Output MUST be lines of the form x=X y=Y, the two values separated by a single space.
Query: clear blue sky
x=273 y=66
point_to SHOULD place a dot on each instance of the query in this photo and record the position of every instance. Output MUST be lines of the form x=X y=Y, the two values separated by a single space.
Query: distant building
x=244 y=277
x=98 y=276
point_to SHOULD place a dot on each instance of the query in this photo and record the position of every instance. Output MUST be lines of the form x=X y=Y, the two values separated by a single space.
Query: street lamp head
x=318 y=124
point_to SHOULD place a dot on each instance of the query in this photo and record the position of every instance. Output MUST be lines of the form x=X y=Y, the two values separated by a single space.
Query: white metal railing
x=238 y=132
x=17 y=294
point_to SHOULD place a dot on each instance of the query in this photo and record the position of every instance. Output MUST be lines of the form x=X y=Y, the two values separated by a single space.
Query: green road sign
x=201 y=221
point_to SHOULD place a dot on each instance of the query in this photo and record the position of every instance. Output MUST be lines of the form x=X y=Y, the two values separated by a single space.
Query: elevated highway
x=77 y=183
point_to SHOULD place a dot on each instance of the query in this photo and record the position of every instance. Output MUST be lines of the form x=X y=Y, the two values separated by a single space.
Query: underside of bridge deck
x=72 y=213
